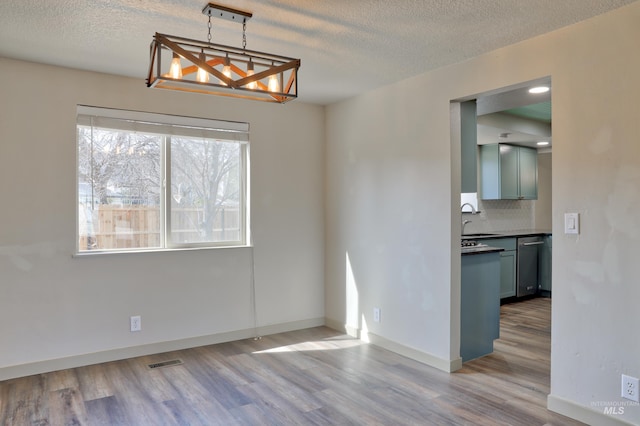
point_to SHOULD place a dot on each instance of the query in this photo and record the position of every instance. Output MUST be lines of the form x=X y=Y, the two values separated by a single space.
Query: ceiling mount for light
x=203 y=67
x=230 y=14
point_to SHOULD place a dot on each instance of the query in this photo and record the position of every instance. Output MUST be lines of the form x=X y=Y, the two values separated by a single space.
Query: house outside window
x=154 y=182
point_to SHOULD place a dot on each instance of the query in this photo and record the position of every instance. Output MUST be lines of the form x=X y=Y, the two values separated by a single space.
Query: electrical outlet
x=376 y=314
x=136 y=323
x=630 y=388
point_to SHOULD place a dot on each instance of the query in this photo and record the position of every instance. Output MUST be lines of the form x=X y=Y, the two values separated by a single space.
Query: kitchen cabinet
x=508 y=262
x=469 y=146
x=479 y=304
x=508 y=172
x=545 y=266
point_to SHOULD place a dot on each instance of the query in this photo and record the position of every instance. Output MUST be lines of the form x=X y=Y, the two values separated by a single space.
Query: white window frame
x=167 y=125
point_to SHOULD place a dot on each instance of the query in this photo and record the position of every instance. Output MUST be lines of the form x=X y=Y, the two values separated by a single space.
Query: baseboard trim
x=448 y=366
x=581 y=413
x=343 y=328
x=39 y=367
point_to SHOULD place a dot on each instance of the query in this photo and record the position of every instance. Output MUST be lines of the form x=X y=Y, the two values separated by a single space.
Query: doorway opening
x=509 y=117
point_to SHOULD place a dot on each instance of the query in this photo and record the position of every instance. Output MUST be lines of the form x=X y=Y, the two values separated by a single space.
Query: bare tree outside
x=205 y=177
x=120 y=165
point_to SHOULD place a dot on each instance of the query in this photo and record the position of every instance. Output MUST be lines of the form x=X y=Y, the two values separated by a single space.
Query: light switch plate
x=572 y=223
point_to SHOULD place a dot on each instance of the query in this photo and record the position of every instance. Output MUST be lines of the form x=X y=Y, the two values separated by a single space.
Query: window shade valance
x=161 y=124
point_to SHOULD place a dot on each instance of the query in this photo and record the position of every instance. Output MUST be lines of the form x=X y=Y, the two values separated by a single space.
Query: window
x=151 y=181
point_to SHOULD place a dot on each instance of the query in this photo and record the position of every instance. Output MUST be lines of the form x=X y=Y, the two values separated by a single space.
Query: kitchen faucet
x=473 y=209
x=464 y=223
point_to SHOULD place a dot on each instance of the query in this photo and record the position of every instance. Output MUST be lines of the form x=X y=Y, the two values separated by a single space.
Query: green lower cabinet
x=479 y=305
x=508 y=259
x=507 y=274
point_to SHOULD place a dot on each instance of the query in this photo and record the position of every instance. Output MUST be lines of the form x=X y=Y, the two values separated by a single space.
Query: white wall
x=54 y=306
x=388 y=186
x=391 y=168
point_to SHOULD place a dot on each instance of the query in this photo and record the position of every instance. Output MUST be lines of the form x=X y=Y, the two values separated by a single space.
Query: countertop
x=505 y=234
x=497 y=234
x=479 y=250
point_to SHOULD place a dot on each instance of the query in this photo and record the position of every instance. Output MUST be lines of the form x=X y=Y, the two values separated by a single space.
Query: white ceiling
x=346 y=46
x=497 y=125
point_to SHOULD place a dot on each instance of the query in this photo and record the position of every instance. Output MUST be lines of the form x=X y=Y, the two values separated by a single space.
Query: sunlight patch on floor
x=319 y=345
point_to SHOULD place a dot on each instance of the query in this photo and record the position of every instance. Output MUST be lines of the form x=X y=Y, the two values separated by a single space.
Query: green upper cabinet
x=469 y=146
x=508 y=172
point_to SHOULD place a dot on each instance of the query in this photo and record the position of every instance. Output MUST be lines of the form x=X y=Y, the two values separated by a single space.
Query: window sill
x=83 y=254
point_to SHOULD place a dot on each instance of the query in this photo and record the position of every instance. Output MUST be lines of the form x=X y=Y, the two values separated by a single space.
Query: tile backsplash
x=501 y=215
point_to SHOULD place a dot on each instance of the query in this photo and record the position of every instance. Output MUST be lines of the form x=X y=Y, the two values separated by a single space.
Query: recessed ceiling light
x=543 y=143
x=539 y=89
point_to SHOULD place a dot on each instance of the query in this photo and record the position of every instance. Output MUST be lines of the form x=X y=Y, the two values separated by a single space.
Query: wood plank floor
x=315 y=376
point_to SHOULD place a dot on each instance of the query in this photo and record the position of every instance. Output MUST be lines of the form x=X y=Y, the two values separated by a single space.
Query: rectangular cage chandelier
x=178 y=63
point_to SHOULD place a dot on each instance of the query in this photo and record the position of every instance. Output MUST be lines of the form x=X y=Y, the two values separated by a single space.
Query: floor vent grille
x=165 y=364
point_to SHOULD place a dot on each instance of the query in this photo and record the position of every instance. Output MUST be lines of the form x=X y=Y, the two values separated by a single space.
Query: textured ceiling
x=346 y=46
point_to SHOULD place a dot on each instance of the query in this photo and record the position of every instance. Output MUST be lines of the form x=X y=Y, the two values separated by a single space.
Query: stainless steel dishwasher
x=527 y=268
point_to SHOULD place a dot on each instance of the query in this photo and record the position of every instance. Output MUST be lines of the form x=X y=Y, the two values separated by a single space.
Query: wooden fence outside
x=115 y=227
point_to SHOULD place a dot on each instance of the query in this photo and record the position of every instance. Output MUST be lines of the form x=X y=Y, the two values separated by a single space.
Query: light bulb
x=175 y=70
x=539 y=89
x=202 y=76
x=274 y=85
x=254 y=84
x=226 y=69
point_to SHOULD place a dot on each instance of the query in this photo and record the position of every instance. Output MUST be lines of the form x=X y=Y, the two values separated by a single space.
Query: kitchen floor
x=522 y=356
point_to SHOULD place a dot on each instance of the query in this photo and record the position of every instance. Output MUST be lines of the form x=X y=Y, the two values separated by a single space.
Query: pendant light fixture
x=182 y=64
